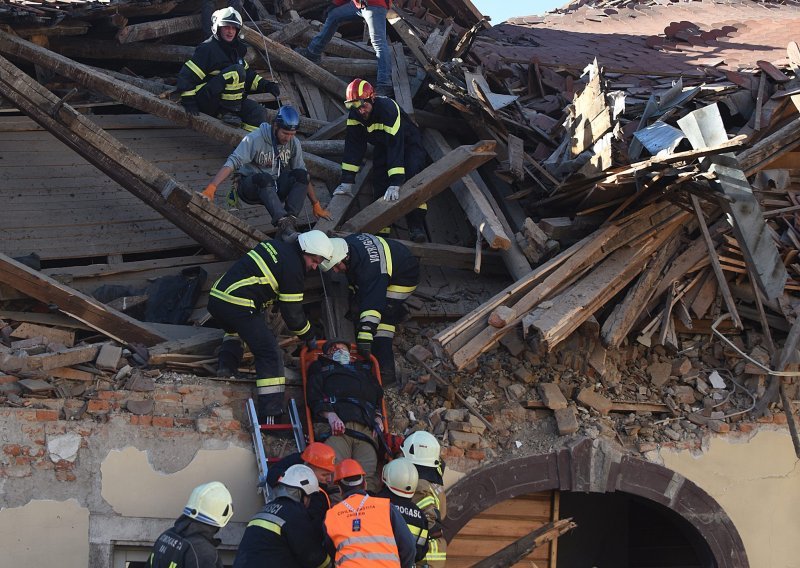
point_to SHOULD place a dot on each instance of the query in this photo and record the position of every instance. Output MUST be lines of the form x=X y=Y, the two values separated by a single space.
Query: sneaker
x=231 y=119
x=303 y=51
x=286 y=228
x=417 y=234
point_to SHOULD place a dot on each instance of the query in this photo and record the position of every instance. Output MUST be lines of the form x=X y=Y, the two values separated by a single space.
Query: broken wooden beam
x=516 y=551
x=416 y=191
x=83 y=308
x=159 y=28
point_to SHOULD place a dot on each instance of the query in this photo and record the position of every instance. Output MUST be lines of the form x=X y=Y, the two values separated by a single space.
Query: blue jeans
x=375 y=17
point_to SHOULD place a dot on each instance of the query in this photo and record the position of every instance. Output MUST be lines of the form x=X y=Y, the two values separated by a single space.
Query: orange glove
x=320 y=211
x=209 y=191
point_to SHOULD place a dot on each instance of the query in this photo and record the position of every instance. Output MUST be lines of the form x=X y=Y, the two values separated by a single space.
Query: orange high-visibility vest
x=361 y=530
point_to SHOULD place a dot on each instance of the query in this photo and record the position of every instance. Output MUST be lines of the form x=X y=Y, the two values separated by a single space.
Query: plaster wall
x=757 y=483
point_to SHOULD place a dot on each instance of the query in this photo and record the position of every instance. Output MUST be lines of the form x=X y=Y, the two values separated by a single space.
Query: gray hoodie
x=256 y=154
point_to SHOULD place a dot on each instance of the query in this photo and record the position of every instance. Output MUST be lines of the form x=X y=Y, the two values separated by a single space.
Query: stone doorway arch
x=596 y=466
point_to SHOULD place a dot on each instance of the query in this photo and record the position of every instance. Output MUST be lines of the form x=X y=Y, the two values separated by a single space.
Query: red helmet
x=349 y=468
x=319 y=455
x=358 y=90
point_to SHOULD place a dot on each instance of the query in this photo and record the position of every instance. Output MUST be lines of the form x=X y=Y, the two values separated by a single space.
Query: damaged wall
x=756 y=479
x=115 y=477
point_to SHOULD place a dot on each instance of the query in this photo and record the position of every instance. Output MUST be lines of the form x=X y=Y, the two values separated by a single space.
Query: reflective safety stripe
x=191 y=92
x=326 y=562
x=303 y=330
x=434 y=554
x=270 y=381
x=173 y=565
x=291 y=297
x=232 y=299
x=364 y=336
x=353 y=122
x=271 y=390
x=386 y=257
x=350 y=167
x=424 y=207
x=396 y=171
x=399 y=292
x=268 y=276
x=421 y=534
x=385 y=330
x=427 y=501
x=249 y=127
x=367 y=556
x=390 y=129
x=370 y=316
x=265 y=525
x=195 y=69
x=230 y=337
x=233 y=97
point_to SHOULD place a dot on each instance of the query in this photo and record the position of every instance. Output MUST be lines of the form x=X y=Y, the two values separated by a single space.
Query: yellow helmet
x=210 y=503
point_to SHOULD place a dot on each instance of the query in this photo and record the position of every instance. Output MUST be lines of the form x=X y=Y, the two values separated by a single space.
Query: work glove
x=364 y=349
x=191 y=107
x=272 y=88
x=209 y=191
x=320 y=212
x=392 y=193
x=344 y=189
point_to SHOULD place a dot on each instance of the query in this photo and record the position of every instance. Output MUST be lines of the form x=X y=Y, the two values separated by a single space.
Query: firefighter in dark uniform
x=282 y=533
x=384 y=274
x=217 y=79
x=321 y=460
x=346 y=395
x=274 y=270
x=191 y=542
x=397 y=154
x=400 y=480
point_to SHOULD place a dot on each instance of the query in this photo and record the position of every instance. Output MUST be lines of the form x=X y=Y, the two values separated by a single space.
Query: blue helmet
x=287 y=118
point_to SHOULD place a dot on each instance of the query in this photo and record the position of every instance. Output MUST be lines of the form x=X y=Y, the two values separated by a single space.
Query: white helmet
x=422 y=448
x=401 y=477
x=340 y=250
x=316 y=242
x=302 y=477
x=225 y=17
x=210 y=503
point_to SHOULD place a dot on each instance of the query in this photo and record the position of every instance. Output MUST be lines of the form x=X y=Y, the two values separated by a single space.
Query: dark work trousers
x=252 y=328
x=286 y=197
x=414 y=162
x=225 y=93
x=384 y=337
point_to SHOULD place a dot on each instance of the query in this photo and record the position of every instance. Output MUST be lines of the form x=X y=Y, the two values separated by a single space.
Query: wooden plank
x=73 y=303
x=71 y=374
x=402 y=88
x=339 y=204
x=53 y=335
x=44 y=319
x=312 y=98
x=65 y=358
x=416 y=191
x=158 y=28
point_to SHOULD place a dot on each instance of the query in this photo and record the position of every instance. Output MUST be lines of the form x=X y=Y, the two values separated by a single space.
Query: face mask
x=341 y=356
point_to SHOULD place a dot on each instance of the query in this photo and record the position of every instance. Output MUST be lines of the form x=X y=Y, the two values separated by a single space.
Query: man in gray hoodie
x=269 y=170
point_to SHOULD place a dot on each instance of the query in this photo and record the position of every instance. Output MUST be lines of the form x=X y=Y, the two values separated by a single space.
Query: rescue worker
x=383 y=273
x=346 y=395
x=397 y=154
x=282 y=533
x=269 y=170
x=422 y=448
x=273 y=270
x=320 y=458
x=364 y=531
x=373 y=12
x=217 y=79
x=191 y=542
x=400 y=480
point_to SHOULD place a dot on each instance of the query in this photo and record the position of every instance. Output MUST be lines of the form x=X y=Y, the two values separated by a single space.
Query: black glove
x=364 y=349
x=272 y=88
x=191 y=107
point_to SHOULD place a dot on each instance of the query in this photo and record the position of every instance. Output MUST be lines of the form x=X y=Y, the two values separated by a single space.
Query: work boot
x=286 y=228
x=308 y=55
x=231 y=119
x=417 y=234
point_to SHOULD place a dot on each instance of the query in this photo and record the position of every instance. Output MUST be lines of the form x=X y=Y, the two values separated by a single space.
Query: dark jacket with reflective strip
x=388 y=129
x=351 y=391
x=281 y=535
x=320 y=502
x=414 y=518
x=375 y=264
x=188 y=544
x=211 y=57
x=274 y=270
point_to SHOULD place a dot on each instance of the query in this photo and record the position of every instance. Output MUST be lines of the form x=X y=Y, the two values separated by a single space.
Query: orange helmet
x=349 y=468
x=319 y=455
x=357 y=91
